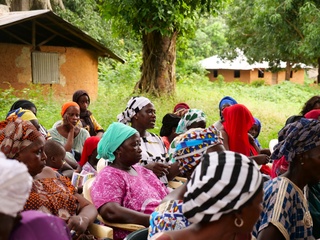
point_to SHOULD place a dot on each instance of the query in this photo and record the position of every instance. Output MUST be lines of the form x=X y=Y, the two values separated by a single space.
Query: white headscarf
x=134 y=105
x=15 y=185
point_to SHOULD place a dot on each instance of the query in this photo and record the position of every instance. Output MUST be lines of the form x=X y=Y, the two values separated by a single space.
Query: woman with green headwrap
x=124 y=191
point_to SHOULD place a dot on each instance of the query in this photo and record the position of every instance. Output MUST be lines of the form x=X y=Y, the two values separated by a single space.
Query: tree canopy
x=158 y=24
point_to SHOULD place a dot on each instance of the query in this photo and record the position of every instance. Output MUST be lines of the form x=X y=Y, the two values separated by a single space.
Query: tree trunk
x=318 y=77
x=26 y=5
x=158 y=67
x=288 y=71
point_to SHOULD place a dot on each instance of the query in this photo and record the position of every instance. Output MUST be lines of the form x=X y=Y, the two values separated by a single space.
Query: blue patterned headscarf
x=189 y=147
x=297 y=137
x=192 y=116
x=115 y=135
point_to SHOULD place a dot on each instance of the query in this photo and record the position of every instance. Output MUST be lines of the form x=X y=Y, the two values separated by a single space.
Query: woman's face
x=83 y=102
x=251 y=212
x=130 y=150
x=254 y=130
x=147 y=116
x=311 y=164
x=33 y=156
x=72 y=115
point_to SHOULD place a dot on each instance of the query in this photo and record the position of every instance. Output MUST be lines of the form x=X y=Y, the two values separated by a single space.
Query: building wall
x=78 y=70
x=249 y=76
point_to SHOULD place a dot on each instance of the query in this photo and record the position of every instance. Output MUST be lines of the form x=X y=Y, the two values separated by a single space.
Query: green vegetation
x=271 y=104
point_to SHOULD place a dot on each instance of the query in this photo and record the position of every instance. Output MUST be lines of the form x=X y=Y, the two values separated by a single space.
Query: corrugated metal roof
x=43 y=27
x=239 y=63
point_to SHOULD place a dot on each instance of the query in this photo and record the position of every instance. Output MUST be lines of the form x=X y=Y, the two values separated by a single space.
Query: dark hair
x=24 y=104
x=309 y=105
x=78 y=94
x=169 y=121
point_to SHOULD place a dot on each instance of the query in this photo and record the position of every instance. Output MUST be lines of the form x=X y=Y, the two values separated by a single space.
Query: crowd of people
x=233 y=188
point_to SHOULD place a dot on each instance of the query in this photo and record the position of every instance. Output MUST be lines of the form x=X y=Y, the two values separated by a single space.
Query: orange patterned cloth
x=16 y=134
x=54 y=196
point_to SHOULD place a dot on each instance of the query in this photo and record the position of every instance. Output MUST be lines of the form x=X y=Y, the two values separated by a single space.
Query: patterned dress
x=141 y=193
x=154 y=150
x=167 y=216
x=285 y=207
x=54 y=196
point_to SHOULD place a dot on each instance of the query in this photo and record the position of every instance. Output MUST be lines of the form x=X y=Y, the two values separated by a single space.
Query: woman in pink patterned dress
x=125 y=192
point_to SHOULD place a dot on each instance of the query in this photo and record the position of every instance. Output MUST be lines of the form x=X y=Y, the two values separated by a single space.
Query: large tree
x=158 y=24
x=26 y=5
x=273 y=30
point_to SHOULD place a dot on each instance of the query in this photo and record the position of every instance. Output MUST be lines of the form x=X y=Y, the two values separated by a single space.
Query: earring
x=237 y=223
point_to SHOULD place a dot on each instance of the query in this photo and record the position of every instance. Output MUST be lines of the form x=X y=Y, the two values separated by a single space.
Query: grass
x=271 y=104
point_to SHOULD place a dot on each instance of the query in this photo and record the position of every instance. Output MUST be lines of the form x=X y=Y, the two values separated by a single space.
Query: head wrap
x=134 y=105
x=258 y=123
x=169 y=121
x=189 y=147
x=224 y=101
x=24 y=114
x=24 y=104
x=66 y=105
x=78 y=94
x=179 y=106
x=237 y=122
x=16 y=134
x=15 y=186
x=220 y=184
x=192 y=116
x=313 y=114
x=90 y=144
x=115 y=135
x=296 y=138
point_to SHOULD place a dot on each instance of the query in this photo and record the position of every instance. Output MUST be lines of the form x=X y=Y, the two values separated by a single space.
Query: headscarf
x=220 y=184
x=134 y=105
x=192 y=116
x=85 y=115
x=112 y=139
x=15 y=185
x=66 y=105
x=258 y=123
x=78 y=94
x=24 y=104
x=226 y=100
x=169 y=121
x=179 y=106
x=89 y=146
x=237 y=122
x=189 y=147
x=296 y=138
x=313 y=114
x=15 y=135
x=24 y=114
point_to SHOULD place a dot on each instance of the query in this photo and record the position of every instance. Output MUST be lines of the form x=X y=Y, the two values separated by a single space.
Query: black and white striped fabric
x=221 y=183
x=134 y=105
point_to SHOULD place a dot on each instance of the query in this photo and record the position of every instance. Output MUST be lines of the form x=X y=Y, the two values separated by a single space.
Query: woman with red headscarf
x=237 y=122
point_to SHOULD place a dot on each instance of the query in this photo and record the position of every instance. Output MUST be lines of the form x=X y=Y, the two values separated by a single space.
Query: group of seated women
x=225 y=196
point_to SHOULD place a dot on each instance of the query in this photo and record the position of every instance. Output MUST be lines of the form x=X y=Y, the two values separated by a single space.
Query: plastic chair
x=141 y=234
x=124 y=226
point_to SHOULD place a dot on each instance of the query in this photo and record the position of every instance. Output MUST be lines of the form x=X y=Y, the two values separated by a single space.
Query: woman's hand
x=159 y=169
x=261 y=159
x=79 y=224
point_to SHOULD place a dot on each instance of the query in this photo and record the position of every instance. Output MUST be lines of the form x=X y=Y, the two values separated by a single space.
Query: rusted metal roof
x=43 y=27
